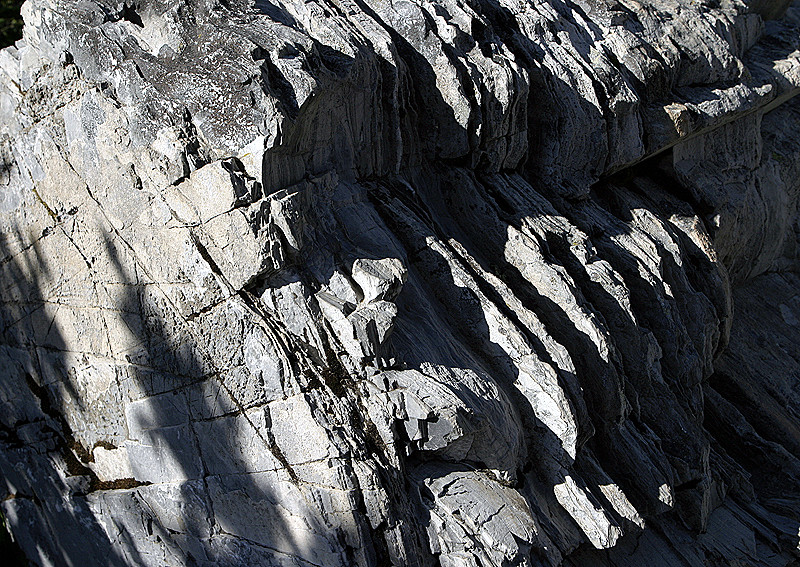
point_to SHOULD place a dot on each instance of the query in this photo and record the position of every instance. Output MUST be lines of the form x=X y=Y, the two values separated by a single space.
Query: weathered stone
x=363 y=283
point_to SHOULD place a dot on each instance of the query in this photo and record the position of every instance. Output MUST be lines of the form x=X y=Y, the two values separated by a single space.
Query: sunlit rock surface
x=368 y=282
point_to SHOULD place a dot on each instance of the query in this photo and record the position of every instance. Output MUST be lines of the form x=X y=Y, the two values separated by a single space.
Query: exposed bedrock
x=368 y=283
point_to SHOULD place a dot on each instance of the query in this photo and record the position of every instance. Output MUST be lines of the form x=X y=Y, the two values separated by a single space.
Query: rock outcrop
x=368 y=283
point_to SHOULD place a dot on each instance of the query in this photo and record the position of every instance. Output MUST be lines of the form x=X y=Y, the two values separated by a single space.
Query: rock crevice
x=357 y=283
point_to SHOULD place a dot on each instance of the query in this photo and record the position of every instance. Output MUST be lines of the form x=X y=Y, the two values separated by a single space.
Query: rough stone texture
x=368 y=283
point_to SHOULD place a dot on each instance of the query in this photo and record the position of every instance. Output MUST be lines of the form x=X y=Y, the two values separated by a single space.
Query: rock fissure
x=363 y=284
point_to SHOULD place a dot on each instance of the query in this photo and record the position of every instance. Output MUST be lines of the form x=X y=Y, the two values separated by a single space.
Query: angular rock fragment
x=368 y=283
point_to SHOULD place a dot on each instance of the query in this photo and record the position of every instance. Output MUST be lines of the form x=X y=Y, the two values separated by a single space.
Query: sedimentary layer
x=367 y=283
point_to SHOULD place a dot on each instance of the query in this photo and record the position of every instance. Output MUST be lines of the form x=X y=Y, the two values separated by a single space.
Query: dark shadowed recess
x=9 y=550
x=180 y=372
x=10 y=22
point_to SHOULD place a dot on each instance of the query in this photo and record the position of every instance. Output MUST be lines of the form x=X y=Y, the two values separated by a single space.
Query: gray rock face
x=367 y=283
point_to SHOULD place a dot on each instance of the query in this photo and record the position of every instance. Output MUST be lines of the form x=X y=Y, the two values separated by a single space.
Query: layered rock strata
x=367 y=283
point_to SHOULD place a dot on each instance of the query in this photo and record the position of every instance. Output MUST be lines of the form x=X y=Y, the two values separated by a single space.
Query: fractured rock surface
x=369 y=283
